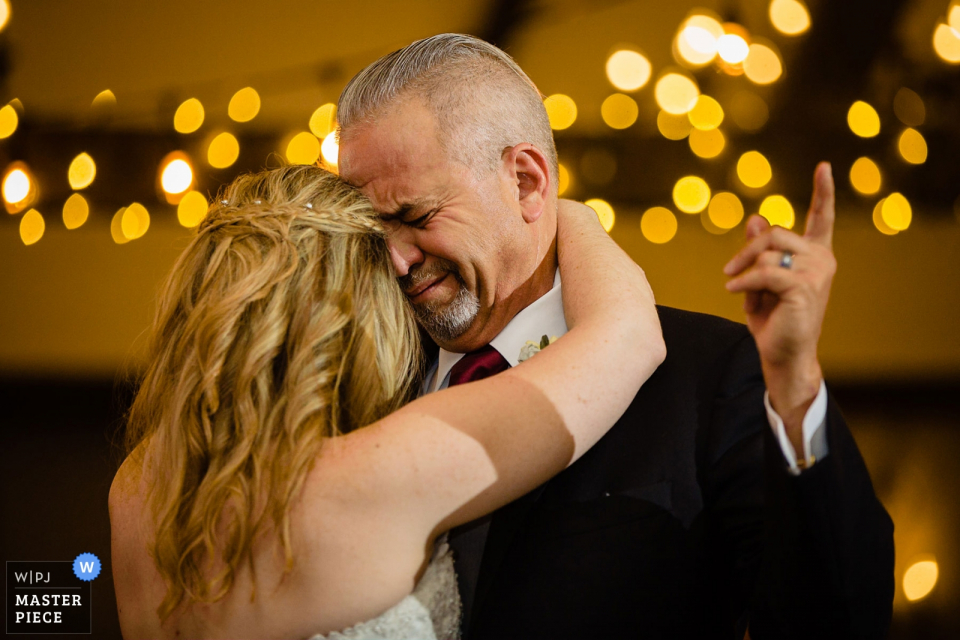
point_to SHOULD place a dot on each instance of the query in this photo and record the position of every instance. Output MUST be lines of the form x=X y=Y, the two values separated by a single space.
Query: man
x=694 y=516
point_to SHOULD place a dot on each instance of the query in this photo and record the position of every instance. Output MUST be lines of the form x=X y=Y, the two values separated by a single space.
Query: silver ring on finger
x=786 y=260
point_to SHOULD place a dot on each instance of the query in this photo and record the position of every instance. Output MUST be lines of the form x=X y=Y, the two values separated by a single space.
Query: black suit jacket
x=684 y=522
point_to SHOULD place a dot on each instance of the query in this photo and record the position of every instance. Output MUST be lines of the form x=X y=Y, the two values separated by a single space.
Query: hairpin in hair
x=309 y=205
x=256 y=202
x=224 y=202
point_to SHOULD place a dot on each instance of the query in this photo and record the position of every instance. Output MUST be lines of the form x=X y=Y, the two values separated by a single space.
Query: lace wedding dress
x=431 y=612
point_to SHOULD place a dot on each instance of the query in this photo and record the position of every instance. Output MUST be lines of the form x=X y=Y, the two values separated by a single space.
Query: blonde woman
x=280 y=483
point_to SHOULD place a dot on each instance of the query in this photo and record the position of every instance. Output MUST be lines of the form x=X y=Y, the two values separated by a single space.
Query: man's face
x=458 y=243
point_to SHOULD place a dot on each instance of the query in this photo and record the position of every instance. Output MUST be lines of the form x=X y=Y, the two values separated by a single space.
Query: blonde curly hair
x=281 y=325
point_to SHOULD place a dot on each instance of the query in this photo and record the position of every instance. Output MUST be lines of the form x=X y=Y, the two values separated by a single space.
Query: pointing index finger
x=822 y=207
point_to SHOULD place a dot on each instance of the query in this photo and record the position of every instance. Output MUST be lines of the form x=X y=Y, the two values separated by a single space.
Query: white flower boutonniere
x=532 y=348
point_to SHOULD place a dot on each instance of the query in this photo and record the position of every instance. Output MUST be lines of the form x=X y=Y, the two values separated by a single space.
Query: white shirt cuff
x=813 y=429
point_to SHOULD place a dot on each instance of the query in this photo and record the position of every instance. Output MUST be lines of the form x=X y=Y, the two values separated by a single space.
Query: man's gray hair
x=482 y=101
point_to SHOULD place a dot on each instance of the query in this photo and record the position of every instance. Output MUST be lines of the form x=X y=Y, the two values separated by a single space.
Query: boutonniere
x=532 y=348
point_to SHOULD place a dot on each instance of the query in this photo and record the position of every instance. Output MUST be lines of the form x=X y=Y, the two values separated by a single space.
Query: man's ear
x=529 y=169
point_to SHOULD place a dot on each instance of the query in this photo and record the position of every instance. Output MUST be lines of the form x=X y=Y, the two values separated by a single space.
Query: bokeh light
x=8 y=121
x=116 y=228
x=696 y=41
x=946 y=43
x=673 y=127
x=912 y=146
x=658 y=225
x=628 y=70
x=19 y=188
x=562 y=111
x=223 y=150
x=75 y=211
x=323 y=120
x=32 y=227
x=303 y=148
x=865 y=176
x=920 y=579
x=604 y=212
x=135 y=221
x=176 y=176
x=4 y=13
x=863 y=119
x=619 y=111
x=244 y=105
x=909 y=107
x=707 y=144
x=676 y=93
x=189 y=116
x=897 y=212
x=81 y=172
x=192 y=209
x=754 y=169
x=778 y=211
x=330 y=150
x=706 y=113
x=878 y=222
x=725 y=210
x=104 y=100
x=563 y=179
x=953 y=15
x=762 y=65
x=789 y=17
x=748 y=110
x=732 y=48
x=691 y=194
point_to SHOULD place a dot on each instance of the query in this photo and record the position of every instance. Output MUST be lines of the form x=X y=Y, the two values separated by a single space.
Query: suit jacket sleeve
x=791 y=556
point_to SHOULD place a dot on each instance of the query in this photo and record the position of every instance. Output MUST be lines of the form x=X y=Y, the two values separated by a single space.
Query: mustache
x=426 y=273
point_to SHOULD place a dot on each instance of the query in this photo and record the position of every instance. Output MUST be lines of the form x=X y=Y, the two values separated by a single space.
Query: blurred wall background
x=76 y=301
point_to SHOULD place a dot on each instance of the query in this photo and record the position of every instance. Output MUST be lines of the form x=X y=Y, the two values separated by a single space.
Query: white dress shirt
x=545 y=318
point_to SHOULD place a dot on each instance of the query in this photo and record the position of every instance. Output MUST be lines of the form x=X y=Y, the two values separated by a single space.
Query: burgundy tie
x=477 y=365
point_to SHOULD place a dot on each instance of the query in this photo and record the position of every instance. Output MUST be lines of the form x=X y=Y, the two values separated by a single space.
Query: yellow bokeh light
x=244 y=105
x=176 y=176
x=75 y=211
x=628 y=70
x=303 y=148
x=323 y=120
x=706 y=113
x=563 y=179
x=32 y=227
x=920 y=579
x=863 y=119
x=696 y=41
x=4 y=13
x=912 y=146
x=754 y=169
x=103 y=100
x=116 y=230
x=604 y=212
x=562 y=111
x=658 y=225
x=762 y=65
x=953 y=16
x=189 y=116
x=8 y=121
x=896 y=212
x=330 y=149
x=748 y=110
x=946 y=43
x=673 y=127
x=134 y=221
x=732 y=48
x=676 y=93
x=778 y=211
x=192 y=209
x=82 y=171
x=725 y=210
x=878 y=222
x=909 y=107
x=789 y=17
x=865 y=176
x=691 y=194
x=17 y=186
x=619 y=111
x=223 y=151
x=707 y=144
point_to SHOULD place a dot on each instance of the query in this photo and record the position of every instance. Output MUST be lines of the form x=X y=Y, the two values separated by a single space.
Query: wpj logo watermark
x=51 y=596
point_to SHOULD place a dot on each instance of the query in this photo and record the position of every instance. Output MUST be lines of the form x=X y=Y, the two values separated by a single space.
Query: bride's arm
x=452 y=456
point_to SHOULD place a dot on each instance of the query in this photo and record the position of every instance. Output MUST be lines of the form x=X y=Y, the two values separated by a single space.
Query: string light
x=176 y=174
x=562 y=111
x=920 y=579
x=17 y=186
x=104 y=100
x=604 y=212
x=619 y=111
x=244 y=105
x=865 y=176
x=789 y=17
x=676 y=93
x=706 y=113
x=658 y=225
x=696 y=41
x=725 y=210
x=878 y=222
x=732 y=48
x=116 y=229
x=189 y=116
x=628 y=70
x=778 y=211
x=75 y=211
x=762 y=64
x=323 y=120
x=863 y=119
x=81 y=172
x=707 y=144
x=946 y=43
x=563 y=179
x=909 y=107
x=330 y=150
x=134 y=221
x=223 y=150
x=4 y=13
x=673 y=127
x=754 y=169
x=32 y=227
x=192 y=209
x=912 y=146
x=896 y=212
x=303 y=148
x=8 y=121
x=691 y=194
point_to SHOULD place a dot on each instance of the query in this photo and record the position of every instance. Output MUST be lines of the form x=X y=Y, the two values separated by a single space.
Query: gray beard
x=448 y=322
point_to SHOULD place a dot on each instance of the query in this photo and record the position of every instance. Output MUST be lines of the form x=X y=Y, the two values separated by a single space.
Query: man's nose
x=404 y=252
